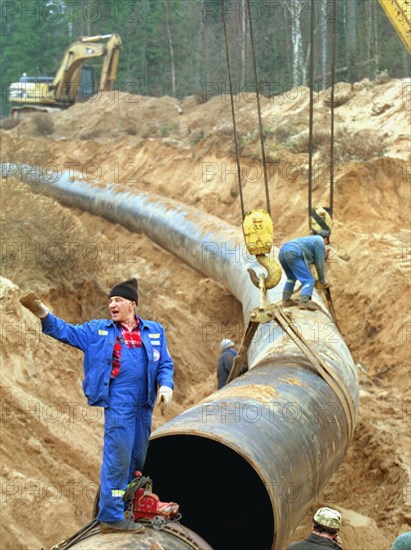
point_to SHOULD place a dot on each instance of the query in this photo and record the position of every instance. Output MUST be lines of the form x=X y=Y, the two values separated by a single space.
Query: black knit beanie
x=126 y=289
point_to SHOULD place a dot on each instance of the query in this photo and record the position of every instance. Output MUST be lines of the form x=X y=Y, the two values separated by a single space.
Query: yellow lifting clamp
x=258 y=235
x=321 y=219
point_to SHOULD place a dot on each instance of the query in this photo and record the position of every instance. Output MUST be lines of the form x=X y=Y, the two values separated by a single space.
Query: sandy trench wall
x=370 y=276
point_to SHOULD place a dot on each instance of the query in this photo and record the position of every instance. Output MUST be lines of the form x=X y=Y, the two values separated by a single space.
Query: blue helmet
x=402 y=542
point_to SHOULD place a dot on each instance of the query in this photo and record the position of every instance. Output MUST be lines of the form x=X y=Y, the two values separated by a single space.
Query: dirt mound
x=124 y=114
x=185 y=151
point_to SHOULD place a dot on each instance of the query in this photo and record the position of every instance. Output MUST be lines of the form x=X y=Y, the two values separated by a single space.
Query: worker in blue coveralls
x=295 y=257
x=125 y=360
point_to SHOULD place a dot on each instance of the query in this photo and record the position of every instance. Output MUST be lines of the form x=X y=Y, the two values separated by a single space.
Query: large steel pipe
x=171 y=537
x=246 y=463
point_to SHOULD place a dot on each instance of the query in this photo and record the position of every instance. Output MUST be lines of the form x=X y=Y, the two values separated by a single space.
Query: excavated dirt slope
x=51 y=441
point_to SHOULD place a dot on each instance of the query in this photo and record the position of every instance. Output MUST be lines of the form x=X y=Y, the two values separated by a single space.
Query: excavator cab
x=75 y=79
x=88 y=84
x=83 y=86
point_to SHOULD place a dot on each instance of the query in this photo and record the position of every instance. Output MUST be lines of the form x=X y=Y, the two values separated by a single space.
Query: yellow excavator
x=399 y=13
x=74 y=81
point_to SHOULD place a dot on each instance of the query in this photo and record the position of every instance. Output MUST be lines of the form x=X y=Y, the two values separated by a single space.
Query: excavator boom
x=399 y=13
x=67 y=85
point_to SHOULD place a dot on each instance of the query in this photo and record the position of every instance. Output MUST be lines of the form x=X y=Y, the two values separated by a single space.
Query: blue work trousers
x=127 y=428
x=295 y=267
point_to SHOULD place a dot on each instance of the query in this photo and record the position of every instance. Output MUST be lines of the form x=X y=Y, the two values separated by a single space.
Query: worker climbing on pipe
x=125 y=360
x=295 y=258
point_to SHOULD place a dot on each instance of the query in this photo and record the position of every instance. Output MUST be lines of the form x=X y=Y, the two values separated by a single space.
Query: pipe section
x=246 y=463
x=172 y=537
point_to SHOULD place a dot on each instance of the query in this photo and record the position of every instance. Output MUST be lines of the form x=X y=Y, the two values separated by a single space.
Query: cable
x=260 y=124
x=88 y=530
x=311 y=116
x=333 y=64
x=237 y=154
x=134 y=486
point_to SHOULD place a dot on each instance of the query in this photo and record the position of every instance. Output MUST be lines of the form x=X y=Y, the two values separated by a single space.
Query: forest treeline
x=176 y=47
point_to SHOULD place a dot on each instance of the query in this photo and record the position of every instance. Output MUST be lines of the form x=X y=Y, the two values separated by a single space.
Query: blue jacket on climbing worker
x=296 y=257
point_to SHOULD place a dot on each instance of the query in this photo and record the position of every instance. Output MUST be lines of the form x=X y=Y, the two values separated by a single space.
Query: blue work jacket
x=96 y=339
x=313 y=249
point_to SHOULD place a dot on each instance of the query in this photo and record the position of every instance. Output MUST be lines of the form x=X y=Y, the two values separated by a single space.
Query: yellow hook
x=273 y=268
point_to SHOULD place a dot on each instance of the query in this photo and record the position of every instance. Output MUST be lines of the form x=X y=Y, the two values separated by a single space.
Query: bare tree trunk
x=243 y=42
x=297 y=59
x=375 y=40
x=171 y=50
x=201 y=61
x=324 y=33
x=205 y=57
x=87 y=15
x=369 y=37
x=305 y=66
x=351 y=32
x=289 y=55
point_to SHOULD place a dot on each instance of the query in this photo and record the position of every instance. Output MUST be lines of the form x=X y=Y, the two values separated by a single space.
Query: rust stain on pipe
x=261 y=393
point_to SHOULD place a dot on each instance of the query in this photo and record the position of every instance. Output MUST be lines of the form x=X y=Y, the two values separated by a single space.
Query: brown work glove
x=321 y=286
x=31 y=301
